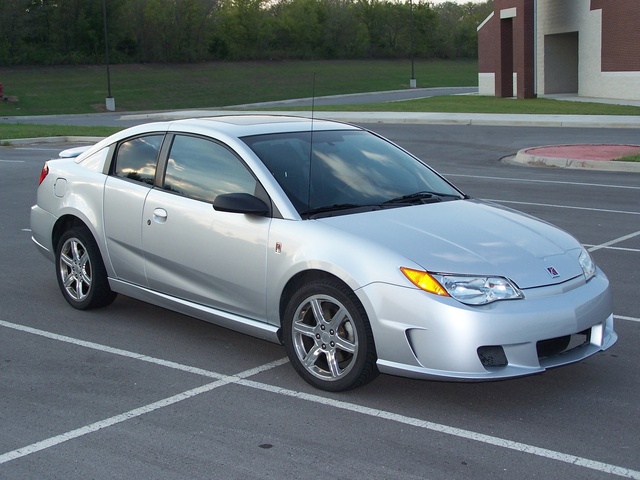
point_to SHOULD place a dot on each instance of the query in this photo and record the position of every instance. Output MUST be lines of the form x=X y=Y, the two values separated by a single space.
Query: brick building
x=537 y=47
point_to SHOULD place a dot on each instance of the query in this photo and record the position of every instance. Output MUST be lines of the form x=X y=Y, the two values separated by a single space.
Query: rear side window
x=202 y=170
x=96 y=161
x=136 y=158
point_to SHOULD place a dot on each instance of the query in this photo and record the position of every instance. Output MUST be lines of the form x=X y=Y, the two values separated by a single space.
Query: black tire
x=80 y=271
x=328 y=337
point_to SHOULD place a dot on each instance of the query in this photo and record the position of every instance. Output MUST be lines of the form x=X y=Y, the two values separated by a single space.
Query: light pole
x=110 y=101
x=412 y=82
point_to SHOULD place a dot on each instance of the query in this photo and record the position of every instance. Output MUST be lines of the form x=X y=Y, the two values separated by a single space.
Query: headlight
x=588 y=267
x=471 y=290
x=479 y=290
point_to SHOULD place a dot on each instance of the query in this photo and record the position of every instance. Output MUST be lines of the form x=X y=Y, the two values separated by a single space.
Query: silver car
x=324 y=237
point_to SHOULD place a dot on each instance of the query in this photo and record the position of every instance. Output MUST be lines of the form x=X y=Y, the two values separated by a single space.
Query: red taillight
x=43 y=173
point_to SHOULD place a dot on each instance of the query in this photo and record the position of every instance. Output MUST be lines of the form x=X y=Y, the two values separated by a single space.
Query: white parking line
x=614 y=241
x=457 y=432
x=528 y=180
x=617 y=249
x=562 y=206
x=114 y=351
x=241 y=379
x=608 y=245
x=11 y=161
x=108 y=422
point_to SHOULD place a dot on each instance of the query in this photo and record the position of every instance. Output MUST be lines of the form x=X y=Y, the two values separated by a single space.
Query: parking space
x=134 y=391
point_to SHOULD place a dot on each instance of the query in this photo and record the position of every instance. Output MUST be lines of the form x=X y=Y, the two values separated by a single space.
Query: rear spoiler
x=73 y=152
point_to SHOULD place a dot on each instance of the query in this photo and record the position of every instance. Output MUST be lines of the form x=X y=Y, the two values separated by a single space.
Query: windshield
x=347 y=170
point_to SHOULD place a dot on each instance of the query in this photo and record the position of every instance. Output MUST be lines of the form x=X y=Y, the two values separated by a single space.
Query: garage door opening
x=561 y=63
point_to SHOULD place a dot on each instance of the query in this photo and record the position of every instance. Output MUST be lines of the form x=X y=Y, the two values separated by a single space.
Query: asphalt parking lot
x=134 y=391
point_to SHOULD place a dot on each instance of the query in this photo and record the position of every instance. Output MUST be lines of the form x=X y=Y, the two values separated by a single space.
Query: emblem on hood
x=553 y=273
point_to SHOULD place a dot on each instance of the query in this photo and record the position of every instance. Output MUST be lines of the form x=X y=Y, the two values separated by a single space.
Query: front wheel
x=328 y=337
x=81 y=274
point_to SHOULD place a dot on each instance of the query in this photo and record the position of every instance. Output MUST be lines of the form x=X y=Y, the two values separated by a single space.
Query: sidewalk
x=564 y=156
x=423 y=118
x=596 y=157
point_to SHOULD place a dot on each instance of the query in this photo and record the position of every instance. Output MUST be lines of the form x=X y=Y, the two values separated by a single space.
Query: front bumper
x=420 y=335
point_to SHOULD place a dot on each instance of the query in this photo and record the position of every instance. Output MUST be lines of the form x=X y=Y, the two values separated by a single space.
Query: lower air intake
x=560 y=345
x=492 y=356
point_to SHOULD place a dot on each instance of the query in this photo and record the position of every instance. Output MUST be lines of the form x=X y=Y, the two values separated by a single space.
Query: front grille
x=492 y=356
x=560 y=345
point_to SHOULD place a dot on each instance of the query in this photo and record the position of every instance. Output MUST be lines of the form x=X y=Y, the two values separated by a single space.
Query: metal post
x=412 y=82
x=110 y=101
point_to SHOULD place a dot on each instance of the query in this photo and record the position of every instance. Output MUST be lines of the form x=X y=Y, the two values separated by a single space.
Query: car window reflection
x=201 y=169
x=343 y=168
x=136 y=159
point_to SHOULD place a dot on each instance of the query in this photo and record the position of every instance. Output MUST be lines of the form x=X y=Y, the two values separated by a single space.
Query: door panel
x=123 y=204
x=194 y=252
x=212 y=258
x=126 y=188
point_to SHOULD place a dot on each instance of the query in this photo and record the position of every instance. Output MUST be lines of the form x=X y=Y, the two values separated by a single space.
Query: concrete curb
x=69 y=138
x=522 y=157
x=431 y=118
x=525 y=158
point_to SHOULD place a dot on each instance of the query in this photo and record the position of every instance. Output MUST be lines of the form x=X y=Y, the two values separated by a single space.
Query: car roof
x=252 y=124
x=224 y=126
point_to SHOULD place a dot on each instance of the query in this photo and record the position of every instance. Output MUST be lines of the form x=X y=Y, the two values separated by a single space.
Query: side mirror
x=240 y=203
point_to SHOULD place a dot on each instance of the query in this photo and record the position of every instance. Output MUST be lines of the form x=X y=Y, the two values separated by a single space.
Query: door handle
x=160 y=215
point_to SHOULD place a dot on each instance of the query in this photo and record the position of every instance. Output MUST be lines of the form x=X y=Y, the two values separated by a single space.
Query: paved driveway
x=133 y=391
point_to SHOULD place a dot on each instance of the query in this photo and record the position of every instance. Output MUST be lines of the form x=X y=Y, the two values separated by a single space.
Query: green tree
x=245 y=28
x=456 y=28
x=166 y=30
x=71 y=31
x=424 y=29
x=297 y=31
x=12 y=30
x=343 y=34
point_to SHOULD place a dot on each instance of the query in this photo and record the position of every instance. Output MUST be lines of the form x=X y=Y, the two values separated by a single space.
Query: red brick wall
x=504 y=72
x=488 y=46
x=620 y=34
x=526 y=69
x=506 y=46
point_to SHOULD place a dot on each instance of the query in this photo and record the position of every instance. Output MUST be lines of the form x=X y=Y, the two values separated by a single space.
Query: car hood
x=471 y=237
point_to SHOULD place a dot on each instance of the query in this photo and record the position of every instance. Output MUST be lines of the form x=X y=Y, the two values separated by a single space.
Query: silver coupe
x=324 y=237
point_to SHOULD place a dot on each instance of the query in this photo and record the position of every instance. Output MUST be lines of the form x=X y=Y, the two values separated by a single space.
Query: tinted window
x=136 y=158
x=346 y=167
x=201 y=169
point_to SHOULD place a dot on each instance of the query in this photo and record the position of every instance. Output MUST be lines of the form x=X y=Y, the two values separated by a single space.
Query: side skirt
x=237 y=323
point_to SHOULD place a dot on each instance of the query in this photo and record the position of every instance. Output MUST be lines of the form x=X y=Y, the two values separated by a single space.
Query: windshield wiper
x=421 y=197
x=411 y=199
x=334 y=208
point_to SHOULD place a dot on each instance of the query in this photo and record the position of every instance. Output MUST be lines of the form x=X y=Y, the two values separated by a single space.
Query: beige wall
x=568 y=16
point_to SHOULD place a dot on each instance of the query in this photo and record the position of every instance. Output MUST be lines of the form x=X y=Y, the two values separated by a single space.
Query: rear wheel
x=81 y=274
x=328 y=337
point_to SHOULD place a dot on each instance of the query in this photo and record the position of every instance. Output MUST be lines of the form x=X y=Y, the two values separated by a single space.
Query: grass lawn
x=482 y=104
x=27 y=130
x=630 y=158
x=83 y=89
